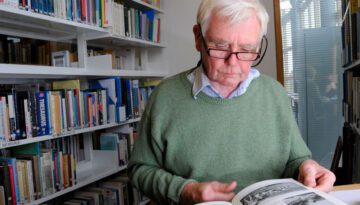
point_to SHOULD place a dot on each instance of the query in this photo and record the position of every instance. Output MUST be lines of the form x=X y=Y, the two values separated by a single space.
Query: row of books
x=24 y=51
x=93 y=12
x=115 y=142
x=34 y=171
x=156 y=3
x=135 y=23
x=26 y=114
x=115 y=190
x=42 y=169
x=351 y=155
x=351 y=102
x=121 y=58
x=350 y=32
x=26 y=111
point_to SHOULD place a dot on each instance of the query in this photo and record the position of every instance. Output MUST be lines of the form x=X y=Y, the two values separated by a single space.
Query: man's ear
x=197 y=37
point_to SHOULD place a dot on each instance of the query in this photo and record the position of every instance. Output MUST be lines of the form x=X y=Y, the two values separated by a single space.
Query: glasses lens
x=247 y=56
x=219 y=53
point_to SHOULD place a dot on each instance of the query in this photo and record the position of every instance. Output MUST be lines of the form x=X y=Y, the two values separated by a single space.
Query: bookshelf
x=350 y=171
x=21 y=23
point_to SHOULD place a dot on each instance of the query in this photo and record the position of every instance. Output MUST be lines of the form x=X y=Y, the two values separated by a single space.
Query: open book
x=279 y=192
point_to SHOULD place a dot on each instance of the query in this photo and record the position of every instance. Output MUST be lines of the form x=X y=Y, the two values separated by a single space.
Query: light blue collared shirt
x=201 y=83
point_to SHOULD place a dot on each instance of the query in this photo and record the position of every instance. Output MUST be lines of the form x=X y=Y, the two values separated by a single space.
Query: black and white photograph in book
x=269 y=191
x=307 y=199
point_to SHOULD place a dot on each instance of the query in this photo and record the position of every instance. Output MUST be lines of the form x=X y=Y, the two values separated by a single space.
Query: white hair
x=236 y=10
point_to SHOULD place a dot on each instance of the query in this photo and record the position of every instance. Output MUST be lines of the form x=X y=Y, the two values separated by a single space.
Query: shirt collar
x=201 y=83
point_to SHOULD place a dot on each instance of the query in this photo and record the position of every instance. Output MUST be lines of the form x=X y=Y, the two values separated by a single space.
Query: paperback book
x=279 y=192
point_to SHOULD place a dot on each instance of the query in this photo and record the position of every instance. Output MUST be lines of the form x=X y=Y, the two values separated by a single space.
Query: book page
x=215 y=203
x=282 y=191
x=351 y=197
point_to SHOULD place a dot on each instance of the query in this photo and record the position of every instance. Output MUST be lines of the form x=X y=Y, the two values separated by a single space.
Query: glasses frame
x=258 y=54
x=256 y=61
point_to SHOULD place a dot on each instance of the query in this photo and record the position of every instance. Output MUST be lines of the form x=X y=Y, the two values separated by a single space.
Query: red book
x=56 y=174
x=11 y=174
x=83 y=10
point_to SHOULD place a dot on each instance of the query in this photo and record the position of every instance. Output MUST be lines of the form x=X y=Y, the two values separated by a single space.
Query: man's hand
x=195 y=192
x=313 y=175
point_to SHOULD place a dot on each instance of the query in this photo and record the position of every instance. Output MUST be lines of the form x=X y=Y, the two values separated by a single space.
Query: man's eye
x=222 y=46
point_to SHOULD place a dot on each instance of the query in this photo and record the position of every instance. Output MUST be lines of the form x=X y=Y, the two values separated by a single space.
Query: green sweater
x=247 y=139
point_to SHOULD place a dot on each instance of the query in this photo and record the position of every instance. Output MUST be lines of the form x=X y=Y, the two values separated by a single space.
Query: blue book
x=48 y=114
x=46 y=7
x=75 y=109
x=136 y=100
x=40 y=6
x=78 y=11
x=113 y=87
x=42 y=113
x=118 y=96
x=34 y=6
x=97 y=13
x=12 y=162
x=85 y=106
x=51 y=7
x=108 y=141
x=150 y=15
x=129 y=98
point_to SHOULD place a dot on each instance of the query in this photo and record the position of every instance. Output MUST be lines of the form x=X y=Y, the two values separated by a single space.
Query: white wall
x=180 y=51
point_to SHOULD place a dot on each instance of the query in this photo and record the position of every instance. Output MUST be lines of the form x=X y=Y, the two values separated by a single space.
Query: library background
x=75 y=76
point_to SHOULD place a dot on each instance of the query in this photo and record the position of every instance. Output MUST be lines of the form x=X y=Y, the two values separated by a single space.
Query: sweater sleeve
x=146 y=169
x=299 y=151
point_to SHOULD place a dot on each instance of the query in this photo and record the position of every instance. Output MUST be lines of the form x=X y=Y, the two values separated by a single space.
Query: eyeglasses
x=225 y=54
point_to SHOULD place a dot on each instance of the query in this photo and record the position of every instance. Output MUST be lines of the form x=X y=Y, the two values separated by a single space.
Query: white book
x=28 y=125
x=2 y=127
x=63 y=113
x=2 y=195
x=82 y=110
x=12 y=116
x=13 y=3
x=104 y=106
x=20 y=168
x=118 y=187
x=279 y=191
x=93 y=195
x=30 y=180
x=47 y=170
x=121 y=20
x=5 y=112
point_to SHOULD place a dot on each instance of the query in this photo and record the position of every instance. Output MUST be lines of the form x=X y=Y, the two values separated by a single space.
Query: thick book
x=2 y=196
x=279 y=191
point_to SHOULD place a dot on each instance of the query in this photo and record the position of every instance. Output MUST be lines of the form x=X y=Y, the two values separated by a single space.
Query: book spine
x=13 y=185
x=12 y=120
x=42 y=115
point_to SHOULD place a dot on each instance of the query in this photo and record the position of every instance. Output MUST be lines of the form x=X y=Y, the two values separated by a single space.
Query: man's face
x=238 y=37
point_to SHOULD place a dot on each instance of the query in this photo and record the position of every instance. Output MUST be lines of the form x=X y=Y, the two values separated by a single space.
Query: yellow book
x=66 y=84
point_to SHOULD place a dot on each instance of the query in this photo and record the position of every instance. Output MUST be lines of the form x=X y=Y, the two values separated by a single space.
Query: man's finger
x=224 y=196
x=220 y=187
x=309 y=177
x=325 y=182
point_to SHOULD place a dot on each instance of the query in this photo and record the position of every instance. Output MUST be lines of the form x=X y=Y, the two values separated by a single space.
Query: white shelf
x=68 y=133
x=353 y=126
x=145 y=202
x=83 y=179
x=34 y=25
x=144 y=4
x=16 y=71
x=352 y=65
x=116 y=40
